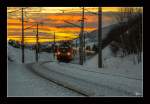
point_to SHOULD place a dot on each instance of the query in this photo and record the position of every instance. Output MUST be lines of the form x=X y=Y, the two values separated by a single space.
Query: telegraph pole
x=76 y=44
x=81 y=54
x=81 y=38
x=54 y=45
x=37 y=44
x=99 y=37
x=22 y=42
x=84 y=46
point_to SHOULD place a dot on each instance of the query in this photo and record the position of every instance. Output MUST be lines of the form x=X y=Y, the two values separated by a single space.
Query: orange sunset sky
x=52 y=20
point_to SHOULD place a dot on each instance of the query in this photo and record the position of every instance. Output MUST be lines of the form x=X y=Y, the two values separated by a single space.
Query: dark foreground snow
x=22 y=82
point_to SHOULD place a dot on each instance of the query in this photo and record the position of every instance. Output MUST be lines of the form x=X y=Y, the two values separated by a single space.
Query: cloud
x=51 y=23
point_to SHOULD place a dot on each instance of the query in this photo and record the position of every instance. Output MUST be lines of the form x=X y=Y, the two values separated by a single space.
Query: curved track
x=30 y=67
x=54 y=74
x=105 y=73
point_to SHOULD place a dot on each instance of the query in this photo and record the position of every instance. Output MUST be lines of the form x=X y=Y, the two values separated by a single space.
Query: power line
x=29 y=27
x=15 y=10
x=92 y=12
x=81 y=53
x=72 y=24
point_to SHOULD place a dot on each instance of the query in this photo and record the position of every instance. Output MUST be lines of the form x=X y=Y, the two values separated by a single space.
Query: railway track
x=53 y=76
x=105 y=73
x=29 y=66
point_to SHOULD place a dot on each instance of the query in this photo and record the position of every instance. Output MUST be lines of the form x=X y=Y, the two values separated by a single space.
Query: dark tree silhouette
x=127 y=33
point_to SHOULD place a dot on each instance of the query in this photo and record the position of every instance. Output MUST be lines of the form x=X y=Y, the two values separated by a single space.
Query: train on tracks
x=64 y=52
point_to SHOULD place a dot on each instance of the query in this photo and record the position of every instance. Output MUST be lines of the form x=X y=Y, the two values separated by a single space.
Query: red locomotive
x=64 y=52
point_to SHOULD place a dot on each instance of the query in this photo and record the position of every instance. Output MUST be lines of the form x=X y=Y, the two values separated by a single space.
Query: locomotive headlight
x=58 y=53
x=68 y=53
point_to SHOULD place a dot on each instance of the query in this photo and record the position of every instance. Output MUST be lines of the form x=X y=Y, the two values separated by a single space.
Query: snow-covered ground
x=91 y=82
x=22 y=82
x=118 y=77
x=16 y=55
x=123 y=66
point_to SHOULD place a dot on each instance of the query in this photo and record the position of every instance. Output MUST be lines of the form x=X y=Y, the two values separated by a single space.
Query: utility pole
x=54 y=45
x=76 y=43
x=84 y=46
x=81 y=38
x=99 y=37
x=22 y=41
x=37 y=44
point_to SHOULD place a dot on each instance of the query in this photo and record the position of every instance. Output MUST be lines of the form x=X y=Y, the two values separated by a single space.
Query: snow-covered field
x=22 y=82
x=118 y=77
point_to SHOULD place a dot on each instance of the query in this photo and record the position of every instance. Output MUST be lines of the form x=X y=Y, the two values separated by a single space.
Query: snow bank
x=123 y=66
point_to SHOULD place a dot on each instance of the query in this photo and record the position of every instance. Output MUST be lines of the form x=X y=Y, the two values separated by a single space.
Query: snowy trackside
x=119 y=77
x=88 y=82
x=121 y=66
x=22 y=82
x=16 y=55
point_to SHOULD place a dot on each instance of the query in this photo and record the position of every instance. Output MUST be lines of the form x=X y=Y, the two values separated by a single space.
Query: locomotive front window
x=64 y=48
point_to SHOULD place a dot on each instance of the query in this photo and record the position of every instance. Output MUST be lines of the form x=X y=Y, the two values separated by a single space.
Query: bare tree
x=131 y=40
